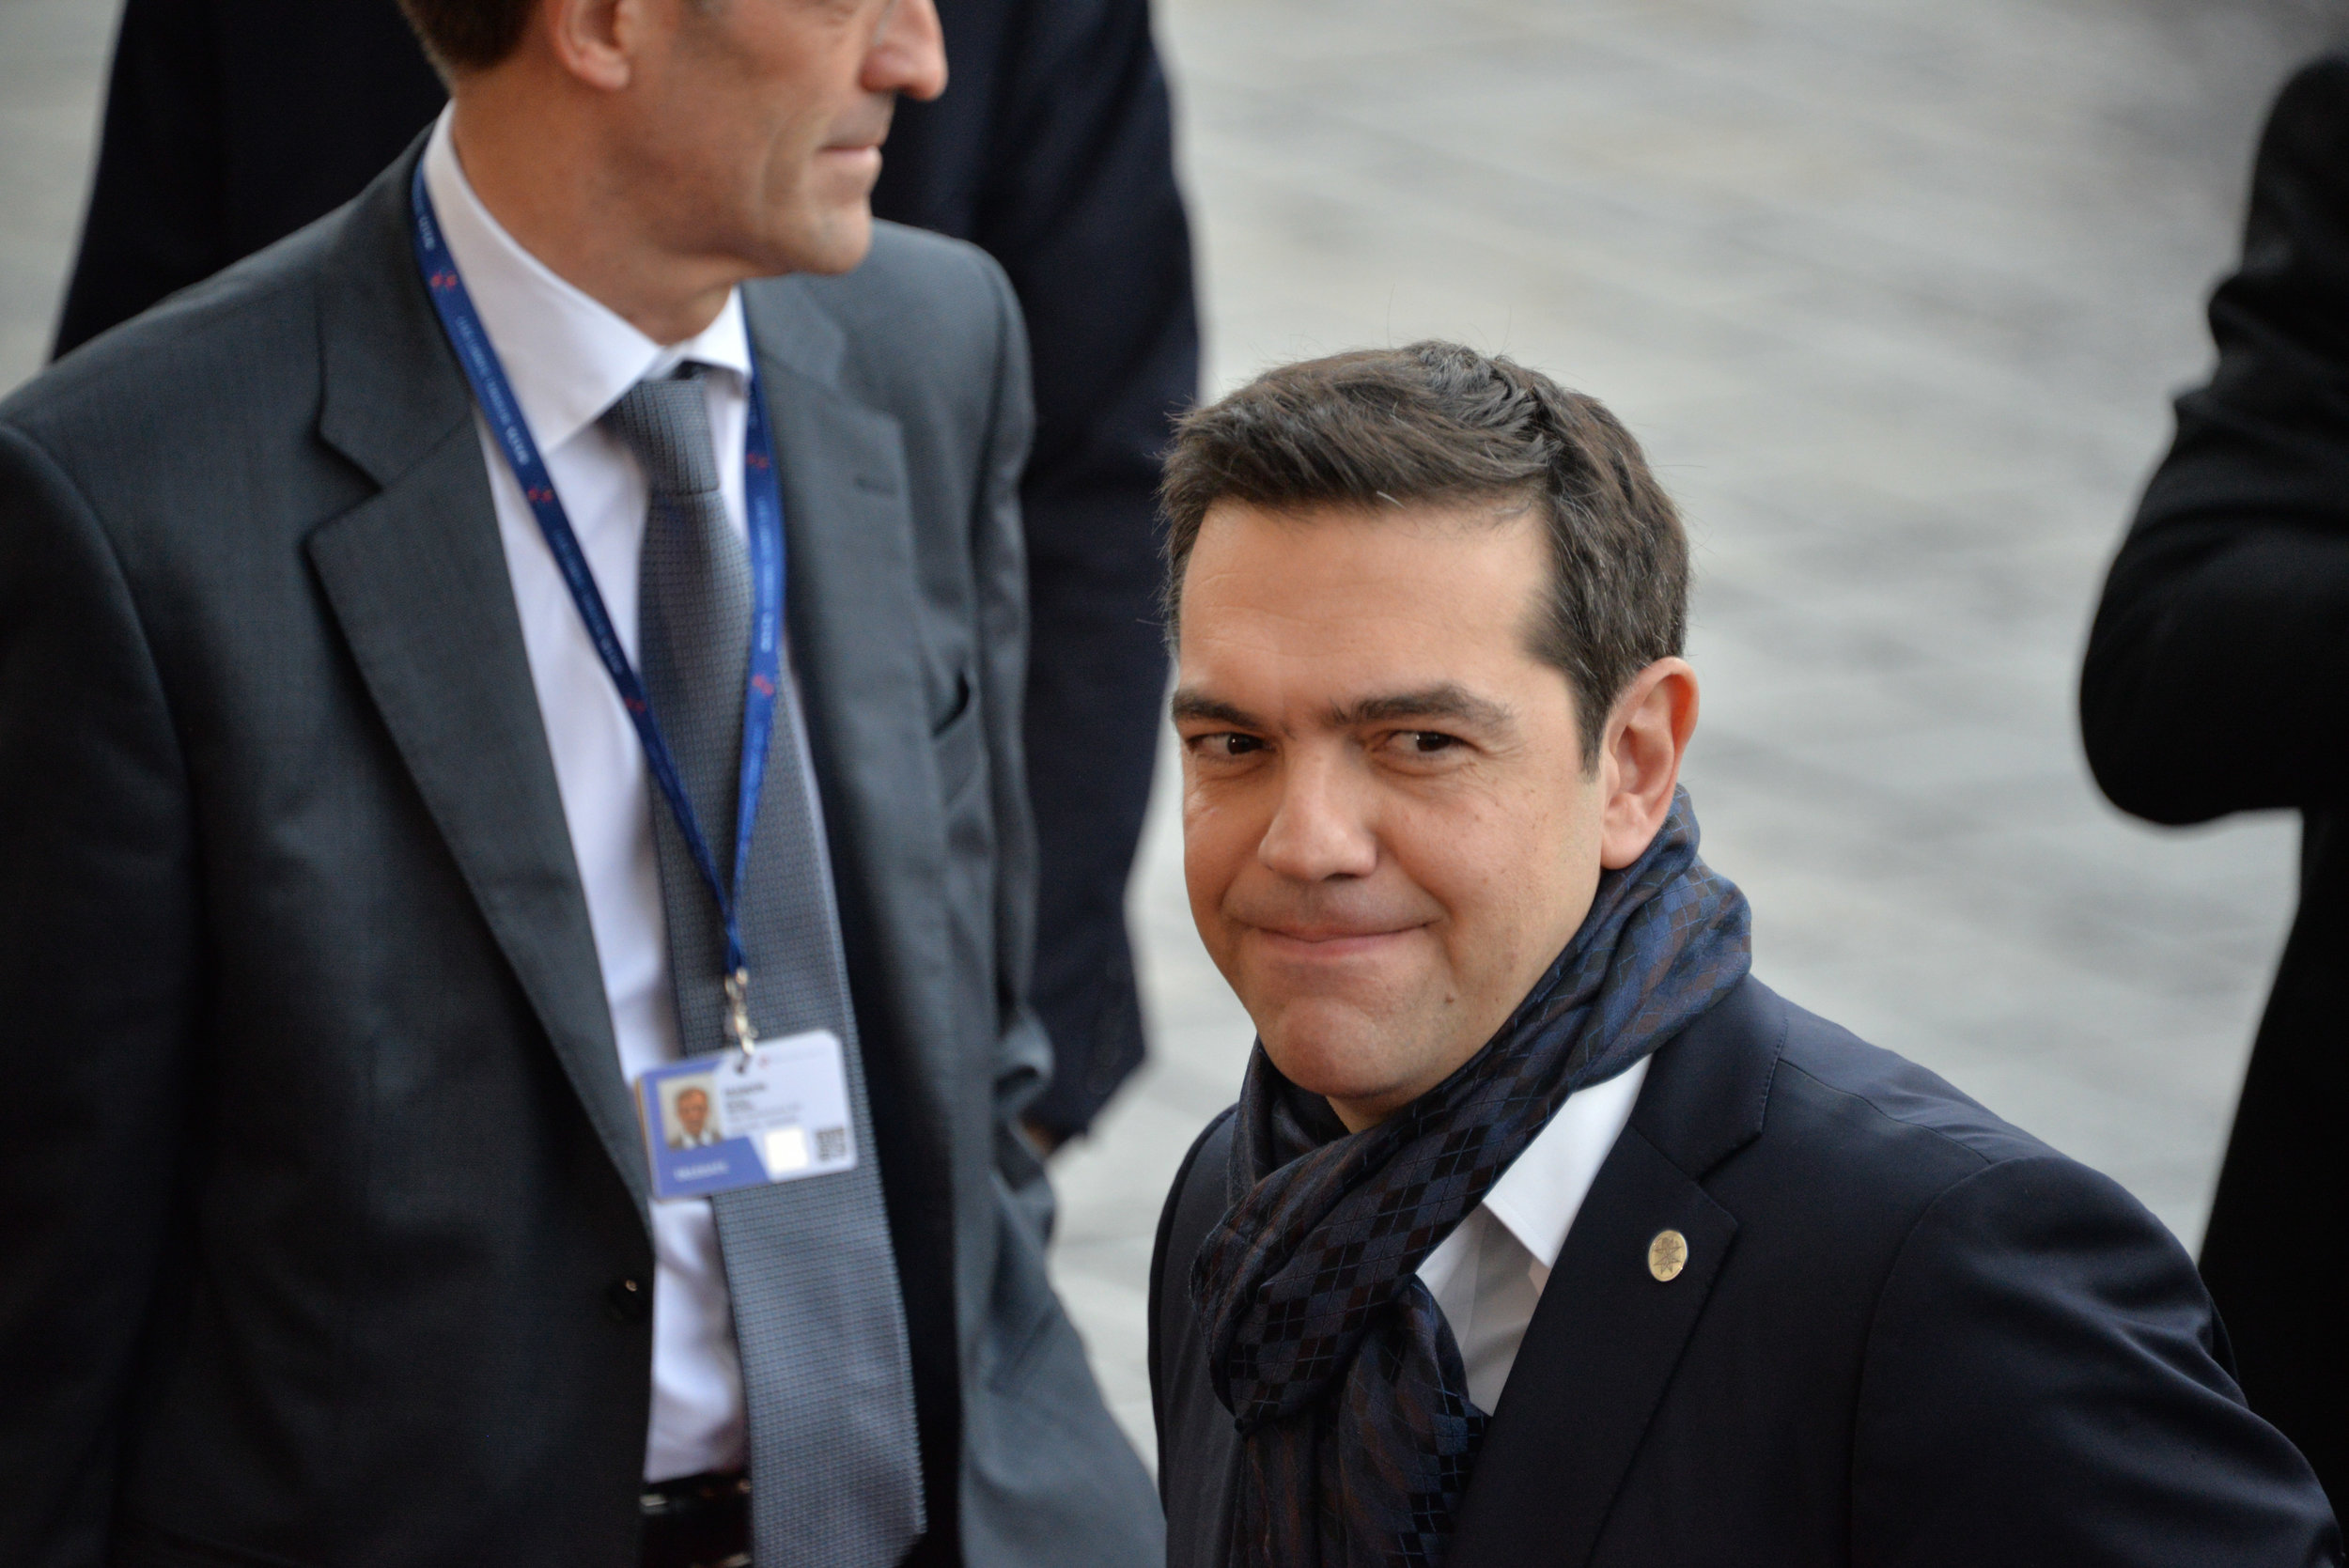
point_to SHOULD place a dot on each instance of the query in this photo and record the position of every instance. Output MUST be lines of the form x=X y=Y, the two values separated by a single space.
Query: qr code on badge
x=831 y=1143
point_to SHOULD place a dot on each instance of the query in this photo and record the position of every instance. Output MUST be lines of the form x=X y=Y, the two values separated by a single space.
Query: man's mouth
x=1323 y=941
x=866 y=136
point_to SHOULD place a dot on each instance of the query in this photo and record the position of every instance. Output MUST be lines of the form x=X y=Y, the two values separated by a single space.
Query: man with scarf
x=1542 y=1232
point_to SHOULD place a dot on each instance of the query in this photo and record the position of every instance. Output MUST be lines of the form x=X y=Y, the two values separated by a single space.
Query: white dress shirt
x=569 y=360
x=1488 y=1274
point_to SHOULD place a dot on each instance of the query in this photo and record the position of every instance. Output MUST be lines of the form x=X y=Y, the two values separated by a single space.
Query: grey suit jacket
x=323 y=1225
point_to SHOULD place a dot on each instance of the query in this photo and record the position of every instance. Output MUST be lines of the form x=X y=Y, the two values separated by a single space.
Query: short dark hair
x=468 y=34
x=1437 y=421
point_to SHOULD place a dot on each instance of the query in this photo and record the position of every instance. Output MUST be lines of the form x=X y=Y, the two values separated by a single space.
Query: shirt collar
x=1538 y=1196
x=567 y=356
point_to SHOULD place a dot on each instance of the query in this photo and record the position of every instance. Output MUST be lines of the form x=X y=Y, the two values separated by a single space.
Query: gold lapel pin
x=1667 y=1255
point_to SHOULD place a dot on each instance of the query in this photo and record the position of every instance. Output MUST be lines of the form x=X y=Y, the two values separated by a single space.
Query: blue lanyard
x=762 y=502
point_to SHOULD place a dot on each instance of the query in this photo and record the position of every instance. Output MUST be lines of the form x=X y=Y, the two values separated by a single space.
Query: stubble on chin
x=841 y=240
x=1331 y=1049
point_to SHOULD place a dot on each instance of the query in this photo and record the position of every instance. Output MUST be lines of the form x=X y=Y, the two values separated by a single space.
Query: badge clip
x=738 y=1013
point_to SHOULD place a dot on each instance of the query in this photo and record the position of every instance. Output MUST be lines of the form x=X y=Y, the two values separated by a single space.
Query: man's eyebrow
x=1446 y=701
x=1200 y=708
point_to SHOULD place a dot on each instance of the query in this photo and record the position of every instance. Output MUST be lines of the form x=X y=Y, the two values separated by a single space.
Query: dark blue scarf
x=1356 y=1433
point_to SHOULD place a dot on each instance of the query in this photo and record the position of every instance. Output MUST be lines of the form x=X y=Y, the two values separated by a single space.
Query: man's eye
x=1427 y=742
x=1228 y=744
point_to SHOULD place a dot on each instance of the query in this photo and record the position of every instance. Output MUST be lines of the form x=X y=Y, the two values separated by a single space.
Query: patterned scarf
x=1350 y=1396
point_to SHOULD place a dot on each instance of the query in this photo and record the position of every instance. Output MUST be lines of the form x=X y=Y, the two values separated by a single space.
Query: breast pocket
x=958 y=746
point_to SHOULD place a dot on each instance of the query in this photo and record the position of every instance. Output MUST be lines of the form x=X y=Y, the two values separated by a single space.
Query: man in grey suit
x=375 y=742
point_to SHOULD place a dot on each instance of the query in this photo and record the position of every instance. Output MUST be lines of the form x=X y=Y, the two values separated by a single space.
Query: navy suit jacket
x=1906 y=1334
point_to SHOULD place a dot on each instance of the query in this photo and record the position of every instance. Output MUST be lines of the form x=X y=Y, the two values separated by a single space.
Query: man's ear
x=1646 y=735
x=596 y=40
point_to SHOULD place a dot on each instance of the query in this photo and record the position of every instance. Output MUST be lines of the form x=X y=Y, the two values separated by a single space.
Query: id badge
x=778 y=1112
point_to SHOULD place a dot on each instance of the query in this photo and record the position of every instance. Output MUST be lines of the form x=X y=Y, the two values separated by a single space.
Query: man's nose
x=1321 y=826
x=908 y=53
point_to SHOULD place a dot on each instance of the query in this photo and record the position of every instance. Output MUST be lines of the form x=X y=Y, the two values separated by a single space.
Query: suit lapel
x=416 y=579
x=1602 y=1346
x=1608 y=1334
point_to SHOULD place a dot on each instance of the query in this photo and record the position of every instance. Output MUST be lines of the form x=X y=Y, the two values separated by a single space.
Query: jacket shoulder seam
x=1987 y=1160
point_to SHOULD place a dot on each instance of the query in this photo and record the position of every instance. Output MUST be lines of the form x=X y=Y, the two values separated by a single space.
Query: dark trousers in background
x=1095 y=691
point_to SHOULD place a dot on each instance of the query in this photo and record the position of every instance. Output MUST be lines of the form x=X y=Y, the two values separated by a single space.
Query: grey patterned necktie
x=835 y=1475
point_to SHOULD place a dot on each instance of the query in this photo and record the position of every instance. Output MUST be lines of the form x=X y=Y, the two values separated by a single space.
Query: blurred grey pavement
x=1895 y=293
x=53 y=72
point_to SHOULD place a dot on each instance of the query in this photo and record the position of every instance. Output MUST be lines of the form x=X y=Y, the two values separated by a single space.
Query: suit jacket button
x=627 y=1301
x=1667 y=1255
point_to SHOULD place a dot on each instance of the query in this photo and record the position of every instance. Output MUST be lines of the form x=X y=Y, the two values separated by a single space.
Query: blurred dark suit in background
x=231 y=123
x=2217 y=681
